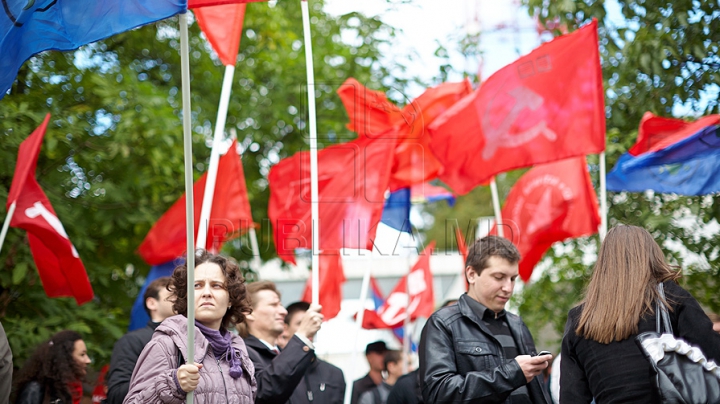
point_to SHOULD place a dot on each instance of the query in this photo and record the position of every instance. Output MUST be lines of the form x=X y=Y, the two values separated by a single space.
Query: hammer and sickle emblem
x=497 y=137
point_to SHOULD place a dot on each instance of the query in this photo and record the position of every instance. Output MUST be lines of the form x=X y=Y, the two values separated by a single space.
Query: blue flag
x=689 y=166
x=32 y=26
x=138 y=315
x=396 y=212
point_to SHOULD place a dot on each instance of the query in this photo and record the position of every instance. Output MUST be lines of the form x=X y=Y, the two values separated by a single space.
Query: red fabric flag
x=546 y=106
x=193 y=4
x=223 y=26
x=551 y=202
x=332 y=278
x=657 y=132
x=412 y=294
x=230 y=214
x=462 y=248
x=352 y=179
x=372 y=115
x=99 y=393
x=61 y=271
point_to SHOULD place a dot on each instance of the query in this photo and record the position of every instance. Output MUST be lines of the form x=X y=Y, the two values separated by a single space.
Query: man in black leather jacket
x=475 y=351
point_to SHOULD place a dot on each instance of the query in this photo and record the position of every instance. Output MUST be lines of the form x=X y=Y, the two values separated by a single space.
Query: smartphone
x=541 y=353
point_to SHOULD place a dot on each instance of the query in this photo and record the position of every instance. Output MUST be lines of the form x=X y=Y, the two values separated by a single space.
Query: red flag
x=372 y=115
x=61 y=271
x=352 y=179
x=332 y=278
x=193 y=4
x=546 y=106
x=99 y=393
x=230 y=214
x=419 y=301
x=551 y=202
x=462 y=248
x=222 y=26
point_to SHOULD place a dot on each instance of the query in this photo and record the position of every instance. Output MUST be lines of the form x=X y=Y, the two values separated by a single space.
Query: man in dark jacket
x=323 y=383
x=375 y=355
x=277 y=373
x=128 y=348
x=475 y=351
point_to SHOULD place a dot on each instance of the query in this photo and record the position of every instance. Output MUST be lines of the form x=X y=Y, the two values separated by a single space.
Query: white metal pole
x=6 y=225
x=211 y=179
x=313 y=155
x=603 y=199
x=358 y=325
x=189 y=219
x=496 y=207
x=406 y=321
x=255 y=249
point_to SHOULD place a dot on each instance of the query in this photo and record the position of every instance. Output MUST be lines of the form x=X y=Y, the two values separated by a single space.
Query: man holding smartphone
x=475 y=351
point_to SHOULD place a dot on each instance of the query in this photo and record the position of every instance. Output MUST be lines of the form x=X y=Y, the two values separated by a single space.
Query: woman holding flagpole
x=221 y=370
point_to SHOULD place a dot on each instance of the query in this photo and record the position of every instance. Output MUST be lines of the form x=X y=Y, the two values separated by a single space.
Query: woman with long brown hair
x=600 y=359
x=54 y=372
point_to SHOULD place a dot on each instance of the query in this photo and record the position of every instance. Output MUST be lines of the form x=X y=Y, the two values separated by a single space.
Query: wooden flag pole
x=315 y=281
x=189 y=219
x=496 y=207
x=603 y=199
x=211 y=179
x=6 y=225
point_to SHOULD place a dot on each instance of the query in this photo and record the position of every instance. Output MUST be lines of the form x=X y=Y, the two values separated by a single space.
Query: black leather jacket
x=34 y=393
x=461 y=361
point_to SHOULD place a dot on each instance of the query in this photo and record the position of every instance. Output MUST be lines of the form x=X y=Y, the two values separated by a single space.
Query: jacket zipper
x=223 y=379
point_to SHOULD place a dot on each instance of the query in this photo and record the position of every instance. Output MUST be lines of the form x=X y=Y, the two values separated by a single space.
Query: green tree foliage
x=112 y=160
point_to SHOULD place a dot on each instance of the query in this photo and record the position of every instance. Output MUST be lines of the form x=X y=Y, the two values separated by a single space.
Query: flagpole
x=496 y=207
x=255 y=249
x=603 y=199
x=189 y=219
x=211 y=179
x=358 y=322
x=406 y=321
x=8 y=217
x=315 y=281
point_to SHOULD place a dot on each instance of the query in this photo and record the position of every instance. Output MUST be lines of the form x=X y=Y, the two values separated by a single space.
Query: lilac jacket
x=153 y=380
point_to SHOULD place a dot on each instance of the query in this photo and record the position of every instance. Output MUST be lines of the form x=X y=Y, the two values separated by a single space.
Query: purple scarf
x=221 y=344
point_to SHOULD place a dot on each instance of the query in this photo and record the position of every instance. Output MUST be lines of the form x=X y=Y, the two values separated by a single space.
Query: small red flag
x=229 y=215
x=332 y=278
x=61 y=271
x=546 y=106
x=412 y=294
x=549 y=203
x=223 y=26
x=352 y=179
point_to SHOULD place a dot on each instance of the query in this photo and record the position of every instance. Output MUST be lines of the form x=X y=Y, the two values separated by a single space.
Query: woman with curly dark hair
x=221 y=370
x=54 y=372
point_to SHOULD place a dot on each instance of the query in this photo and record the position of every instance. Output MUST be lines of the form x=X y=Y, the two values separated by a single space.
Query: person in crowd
x=128 y=348
x=715 y=318
x=54 y=372
x=393 y=364
x=600 y=358
x=375 y=355
x=323 y=382
x=476 y=351
x=6 y=367
x=407 y=389
x=220 y=367
x=278 y=373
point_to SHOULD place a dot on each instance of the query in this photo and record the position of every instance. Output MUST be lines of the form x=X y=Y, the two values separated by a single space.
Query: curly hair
x=234 y=284
x=53 y=366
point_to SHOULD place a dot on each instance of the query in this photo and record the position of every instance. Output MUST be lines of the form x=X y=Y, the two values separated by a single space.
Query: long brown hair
x=623 y=286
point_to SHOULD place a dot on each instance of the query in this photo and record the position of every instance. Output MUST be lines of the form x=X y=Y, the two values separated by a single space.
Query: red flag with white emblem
x=551 y=202
x=546 y=106
x=413 y=294
x=61 y=271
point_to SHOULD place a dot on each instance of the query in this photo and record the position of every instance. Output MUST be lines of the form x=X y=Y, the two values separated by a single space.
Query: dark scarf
x=221 y=344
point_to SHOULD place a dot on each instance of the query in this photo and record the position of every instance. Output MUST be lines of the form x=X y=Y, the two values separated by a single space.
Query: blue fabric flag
x=138 y=315
x=687 y=167
x=32 y=26
x=396 y=212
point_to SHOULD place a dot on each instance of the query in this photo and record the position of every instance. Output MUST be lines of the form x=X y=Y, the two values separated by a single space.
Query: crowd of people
x=249 y=348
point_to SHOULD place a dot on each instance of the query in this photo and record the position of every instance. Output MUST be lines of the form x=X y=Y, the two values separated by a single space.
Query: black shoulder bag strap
x=662 y=313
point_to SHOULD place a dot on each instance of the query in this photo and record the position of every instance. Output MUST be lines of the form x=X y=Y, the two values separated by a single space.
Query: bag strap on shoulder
x=661 y=315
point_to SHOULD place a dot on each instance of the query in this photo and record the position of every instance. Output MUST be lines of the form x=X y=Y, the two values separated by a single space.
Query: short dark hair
x=153 y=290
x=491 y=246
x=391 y=356
x=377 y=347
x=234 y=283
x=252 y=291
x=295 y=308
